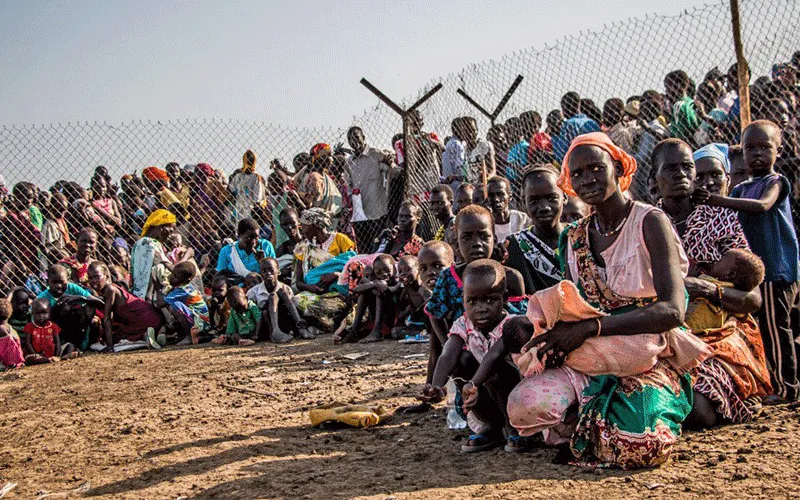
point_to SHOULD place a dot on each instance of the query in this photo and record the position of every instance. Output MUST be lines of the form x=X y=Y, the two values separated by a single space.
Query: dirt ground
x=167 y=424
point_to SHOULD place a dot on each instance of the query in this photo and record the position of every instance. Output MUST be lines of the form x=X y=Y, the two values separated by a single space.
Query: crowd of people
x=595 y=285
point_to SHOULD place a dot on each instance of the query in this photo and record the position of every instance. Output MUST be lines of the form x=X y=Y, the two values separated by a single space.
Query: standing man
x=423 y=169
x=576 y=124
x=370 y=173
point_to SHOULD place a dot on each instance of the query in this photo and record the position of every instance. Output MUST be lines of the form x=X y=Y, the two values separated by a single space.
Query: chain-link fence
x=618 y=73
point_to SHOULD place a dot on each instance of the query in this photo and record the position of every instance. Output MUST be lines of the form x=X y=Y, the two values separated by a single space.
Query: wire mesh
x=619 y=71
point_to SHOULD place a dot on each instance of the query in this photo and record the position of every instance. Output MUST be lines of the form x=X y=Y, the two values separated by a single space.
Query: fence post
x=741 y=65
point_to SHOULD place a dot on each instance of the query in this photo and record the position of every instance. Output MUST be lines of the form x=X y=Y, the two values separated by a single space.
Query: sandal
x=478 y=442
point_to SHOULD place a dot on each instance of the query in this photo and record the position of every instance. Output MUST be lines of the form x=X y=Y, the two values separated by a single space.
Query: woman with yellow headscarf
x=247 y=187
x=150 y=266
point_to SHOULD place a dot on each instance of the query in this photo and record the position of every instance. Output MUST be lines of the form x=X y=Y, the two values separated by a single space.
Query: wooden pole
x=507 y=97
x=475 y=104
x=741 y=65
x=408 y=142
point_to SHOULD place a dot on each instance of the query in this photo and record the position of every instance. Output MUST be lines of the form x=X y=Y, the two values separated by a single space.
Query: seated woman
x=532 y=251
x=627 y=261
x=402 y=240
x=240 y=258
x=728 y=385
x=125 y=316
x=150 y=266
x=317 y=260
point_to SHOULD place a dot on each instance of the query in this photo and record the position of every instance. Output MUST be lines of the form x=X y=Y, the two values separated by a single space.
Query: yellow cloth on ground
x=353 y=415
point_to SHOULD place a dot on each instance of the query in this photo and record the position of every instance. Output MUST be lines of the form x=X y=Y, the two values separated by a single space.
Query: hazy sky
x=294 y=63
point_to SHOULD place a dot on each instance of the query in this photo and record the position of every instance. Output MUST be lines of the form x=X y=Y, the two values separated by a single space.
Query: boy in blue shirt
x=766 y=218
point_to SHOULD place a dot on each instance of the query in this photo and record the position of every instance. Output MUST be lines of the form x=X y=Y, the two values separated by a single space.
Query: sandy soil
x=168 y=424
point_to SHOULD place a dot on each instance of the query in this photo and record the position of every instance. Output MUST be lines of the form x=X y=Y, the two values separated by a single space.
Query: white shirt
x=517 y=221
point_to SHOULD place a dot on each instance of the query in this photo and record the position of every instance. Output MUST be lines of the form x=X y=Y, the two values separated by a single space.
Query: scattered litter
x=652 y=486
x=8 y=487
x=354 y=355
x=326 y=361
x=350 y=414
x=64 y=494
x=412 y=356
x=249 y=391
x=420 y=338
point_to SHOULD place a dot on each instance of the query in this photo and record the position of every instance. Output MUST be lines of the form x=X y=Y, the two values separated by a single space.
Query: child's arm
x=57 y=342
x=232 y=327
x=439 y=327
x=259 y=321
x=395 y=288
x=28 y=344
x=764 y=204
x=108 y=313
x=498 y=351
x=365 y=286
x=444 y=367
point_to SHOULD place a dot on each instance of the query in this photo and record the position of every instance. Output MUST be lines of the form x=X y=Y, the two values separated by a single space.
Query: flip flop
x=482 y=443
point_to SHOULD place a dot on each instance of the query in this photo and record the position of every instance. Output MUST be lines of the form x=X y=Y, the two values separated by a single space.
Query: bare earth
x=168 y=424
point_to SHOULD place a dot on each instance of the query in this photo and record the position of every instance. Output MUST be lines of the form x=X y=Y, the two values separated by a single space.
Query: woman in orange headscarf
x=627 y=262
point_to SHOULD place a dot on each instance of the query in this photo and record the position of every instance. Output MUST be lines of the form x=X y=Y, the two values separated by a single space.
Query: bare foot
x=340 y=330
x=374 y=336
x=305 y=334
x=195 y=333
x=219 y=340
x=278 y=337
x=244 y=342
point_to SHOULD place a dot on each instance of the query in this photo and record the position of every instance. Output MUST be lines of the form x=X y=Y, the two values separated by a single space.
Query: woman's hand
x=561 y=340
x=697 y=288
x=327 y=280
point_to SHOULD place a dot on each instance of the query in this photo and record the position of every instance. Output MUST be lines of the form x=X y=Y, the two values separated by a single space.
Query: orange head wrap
x=602 y=141
x=155 y=174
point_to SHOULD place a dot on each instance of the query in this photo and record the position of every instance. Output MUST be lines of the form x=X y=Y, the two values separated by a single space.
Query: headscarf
x=248 y=162
x=602 y=141
x=317 y=217
x=160 y=217
x=319 y=150
x=121 y=243
x=206 y=169
x=155 y=174
x=715 y=150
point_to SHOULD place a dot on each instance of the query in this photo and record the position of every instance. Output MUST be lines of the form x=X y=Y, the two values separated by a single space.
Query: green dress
x=630 y=421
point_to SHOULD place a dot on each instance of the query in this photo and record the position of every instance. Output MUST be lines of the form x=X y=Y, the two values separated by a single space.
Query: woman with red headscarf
x=627 y=262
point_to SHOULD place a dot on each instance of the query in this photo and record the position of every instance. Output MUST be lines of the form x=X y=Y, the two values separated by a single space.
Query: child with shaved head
x=470 y=338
